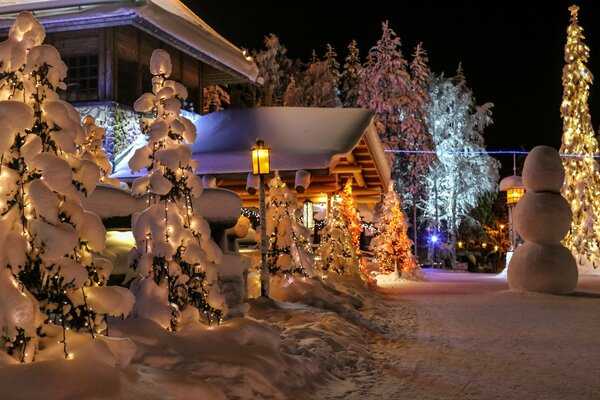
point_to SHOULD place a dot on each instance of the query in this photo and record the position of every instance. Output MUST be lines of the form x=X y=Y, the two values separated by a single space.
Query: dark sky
x=511 y=52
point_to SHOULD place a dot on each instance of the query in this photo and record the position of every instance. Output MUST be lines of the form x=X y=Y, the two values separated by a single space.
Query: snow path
x=461 y=335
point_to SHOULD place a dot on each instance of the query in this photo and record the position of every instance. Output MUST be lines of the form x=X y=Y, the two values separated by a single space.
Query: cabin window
x=82 y=78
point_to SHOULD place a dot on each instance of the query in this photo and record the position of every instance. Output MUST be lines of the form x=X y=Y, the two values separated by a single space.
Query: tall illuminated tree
x=392 y=246
x=351 y=215
x=582 y=181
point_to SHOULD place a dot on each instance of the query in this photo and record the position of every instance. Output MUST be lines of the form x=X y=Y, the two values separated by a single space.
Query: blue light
x=433 y=238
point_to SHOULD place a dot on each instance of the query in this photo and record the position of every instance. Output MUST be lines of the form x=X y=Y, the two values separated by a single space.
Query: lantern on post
x=261 y=165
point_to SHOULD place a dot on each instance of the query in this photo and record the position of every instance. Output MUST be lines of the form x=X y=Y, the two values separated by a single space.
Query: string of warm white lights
x=482 y=152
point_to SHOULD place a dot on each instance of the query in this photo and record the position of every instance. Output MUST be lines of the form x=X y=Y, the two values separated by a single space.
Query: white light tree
x=350 y=77
x=289 y=249
x=49 y=275
x=464 y=175
x=336 y=252
x=175 y=257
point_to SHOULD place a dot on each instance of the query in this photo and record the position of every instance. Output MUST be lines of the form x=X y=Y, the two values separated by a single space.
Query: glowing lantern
x=308 y=214
x=261 y=164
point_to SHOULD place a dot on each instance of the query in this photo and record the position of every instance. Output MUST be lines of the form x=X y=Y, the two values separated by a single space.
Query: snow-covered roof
x=169 y=20
x=513 y=181
x=299 y=138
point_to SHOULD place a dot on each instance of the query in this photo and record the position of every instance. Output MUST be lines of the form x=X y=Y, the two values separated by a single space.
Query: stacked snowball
x=543 y=218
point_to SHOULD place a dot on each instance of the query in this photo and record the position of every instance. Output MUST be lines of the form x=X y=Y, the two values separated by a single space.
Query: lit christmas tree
x=582 y=182
x=336 y=252
x=49 y=276
x=351 y=215
x=392 y=246
x=93 y=149
x=175 y=257
x=289 y=250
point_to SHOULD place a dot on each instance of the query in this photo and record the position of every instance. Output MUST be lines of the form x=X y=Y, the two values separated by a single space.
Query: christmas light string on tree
x=582 y=182
x=49 y=275
x=175 y=257
x=336 y=252
x=351 y=215
x=392 y=246
x=289 y=251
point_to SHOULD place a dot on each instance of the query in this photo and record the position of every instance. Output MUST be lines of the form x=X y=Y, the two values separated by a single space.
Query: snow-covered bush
x=49 y=278
x=92 y=149
x=290 y=250
x=175 y=257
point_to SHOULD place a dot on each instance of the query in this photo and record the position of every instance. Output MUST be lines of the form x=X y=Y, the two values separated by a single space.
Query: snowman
x=543 y=218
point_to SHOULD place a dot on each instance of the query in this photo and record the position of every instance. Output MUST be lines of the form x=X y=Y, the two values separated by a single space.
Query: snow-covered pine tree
x=410 y=168
x=350 y=214
x=274 y=67
x=350 y=79
x=215 y=98
x=385 y=87
x=582 y=181
x=459 y=181
x=49 y=276
x=318 y=85
x=175 y=257
x=290 y=251
x=392 y=246
x=93 y=149
x=335 y=252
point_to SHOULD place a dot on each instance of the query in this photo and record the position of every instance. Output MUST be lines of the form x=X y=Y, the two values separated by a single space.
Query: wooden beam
x=346 y=169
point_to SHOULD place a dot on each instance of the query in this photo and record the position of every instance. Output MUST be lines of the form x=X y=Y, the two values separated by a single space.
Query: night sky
x=511 y=52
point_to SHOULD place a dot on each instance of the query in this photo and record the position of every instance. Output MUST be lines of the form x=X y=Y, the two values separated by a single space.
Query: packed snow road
x=466 y=336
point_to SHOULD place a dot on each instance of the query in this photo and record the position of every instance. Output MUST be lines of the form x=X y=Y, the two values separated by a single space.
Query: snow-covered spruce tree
x=318 y=85
x=289 y=250
x=335 y=252
x=50 y=280
x=274 y=67
x=582 y=179
x=175 y=257
x=350 y=78
x=392 y=246
x=459 y=181
x=92 y=149
x=215 y=99
x=350 y=214
x=385 y=85
x=410 y=167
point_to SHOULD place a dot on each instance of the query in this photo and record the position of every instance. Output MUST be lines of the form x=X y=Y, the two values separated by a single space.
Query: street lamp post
x=513 y=186
x=261 y=167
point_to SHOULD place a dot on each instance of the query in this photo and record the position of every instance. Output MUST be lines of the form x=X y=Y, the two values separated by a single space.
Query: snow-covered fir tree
x=317 y=85
x=410 y=167
x=385 y=86
x=216 y=98
x=175 y=257
x=350 y=214
x=459 y=181
x=336 y=252
x=93 y=149
x=392 y=246
x=275 y=69
x=350 y=77
x=50 y=279
x=290 y=250
x=582 y=179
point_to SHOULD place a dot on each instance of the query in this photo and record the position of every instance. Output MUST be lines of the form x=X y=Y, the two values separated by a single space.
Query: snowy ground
x=456 y=335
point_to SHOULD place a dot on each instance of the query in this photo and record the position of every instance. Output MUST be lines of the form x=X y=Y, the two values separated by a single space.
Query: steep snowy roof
x=169 y=20
x=299 y=138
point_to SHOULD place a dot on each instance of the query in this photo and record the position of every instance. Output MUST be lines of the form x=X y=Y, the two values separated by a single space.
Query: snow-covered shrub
x=92 y=149
x=175 y=257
